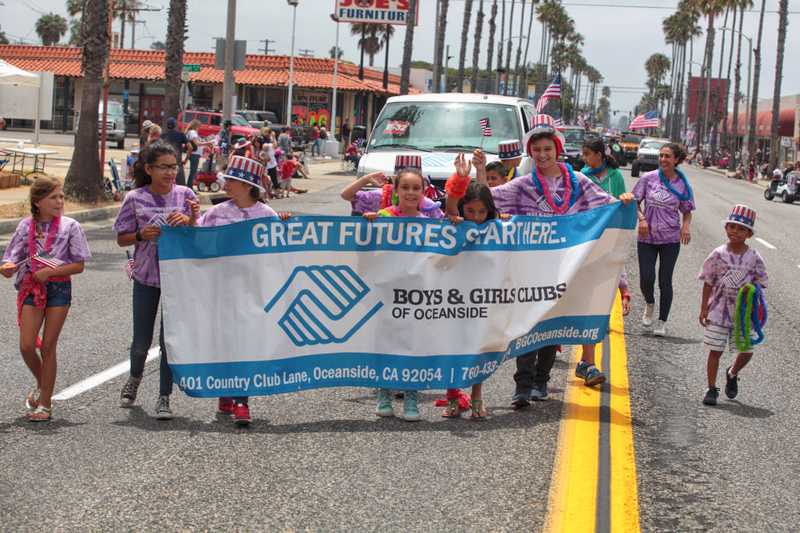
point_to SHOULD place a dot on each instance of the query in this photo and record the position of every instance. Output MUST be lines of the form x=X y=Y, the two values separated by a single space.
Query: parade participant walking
x=728 y=270
x=383 y=196
x=664 y=224
x=510 y=154
x=155 y=201
x=46 y=249
x=553 y=189
x=243 y=185
x=496 y=174
x=410 y=189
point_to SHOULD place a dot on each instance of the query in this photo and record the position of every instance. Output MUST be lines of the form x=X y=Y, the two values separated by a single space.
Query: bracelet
x=138 y=236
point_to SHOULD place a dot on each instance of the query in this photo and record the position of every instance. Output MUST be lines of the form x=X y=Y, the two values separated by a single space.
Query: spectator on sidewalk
x=315 y=141
x=346 y=132
x=180 y=143
x=145 y=133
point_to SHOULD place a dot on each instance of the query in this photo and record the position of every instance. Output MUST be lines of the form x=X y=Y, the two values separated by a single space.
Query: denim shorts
x=59 y=294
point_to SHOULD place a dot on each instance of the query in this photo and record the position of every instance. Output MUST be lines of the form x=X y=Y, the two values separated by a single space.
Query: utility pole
x=306 y=52
x=229 y=83
x=266 y=48
x=134 y=11
x=447 y=58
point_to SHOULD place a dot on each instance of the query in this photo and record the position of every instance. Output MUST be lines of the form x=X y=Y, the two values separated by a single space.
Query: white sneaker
x=660 y=329
x=647 y=317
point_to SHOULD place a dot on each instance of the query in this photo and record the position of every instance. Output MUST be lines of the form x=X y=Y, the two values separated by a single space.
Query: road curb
x=9 y=225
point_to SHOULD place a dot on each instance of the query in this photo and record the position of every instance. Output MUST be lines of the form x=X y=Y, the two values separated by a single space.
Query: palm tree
x=524 y=85
x=783 y=11
x=500 y=46
x=441 y=28
x=51 y=28
x=335 y=52
x=490 y=51
x=3 y=38
x=510 y=45
x=519 y=47
x=126 y=11
x=710 y=8
x=176 y=36
x=743 y=4
x=84 y=180
x=751 y=135
x=476 y=48
x=375 y=36
x=462 y=54
x=405 y=72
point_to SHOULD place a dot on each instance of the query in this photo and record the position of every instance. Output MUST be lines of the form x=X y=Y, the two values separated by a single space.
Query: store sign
x=374 y=11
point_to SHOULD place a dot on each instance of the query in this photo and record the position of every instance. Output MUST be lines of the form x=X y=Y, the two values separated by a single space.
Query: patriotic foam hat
x=413 y=162
x=509 y=150
x=544 y=124
x=245 y=169
x=743 y=216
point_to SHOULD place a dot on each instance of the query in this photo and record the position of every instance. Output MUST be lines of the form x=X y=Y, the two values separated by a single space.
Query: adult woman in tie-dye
x=666 y=203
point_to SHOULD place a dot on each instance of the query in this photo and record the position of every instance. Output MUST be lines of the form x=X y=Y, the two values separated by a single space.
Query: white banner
x=374 y=11
x=266 y=306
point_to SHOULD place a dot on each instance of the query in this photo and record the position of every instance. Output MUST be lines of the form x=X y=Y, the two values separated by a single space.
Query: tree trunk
x=776 y=93
x=500 y=46
x=510 y=46
x=725 y=139
x=736 y=90
x=709 y=65
x=490 y=52
x=462 y=54
x=519 y=48
x=405 y=72
x=751 y=135
x=714 y=126
x=524 y=92
x=439 y=65
x=476 y=49
x=174 y=58
x=84 y=180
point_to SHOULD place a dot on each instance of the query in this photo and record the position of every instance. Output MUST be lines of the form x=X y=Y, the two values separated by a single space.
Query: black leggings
x=667 y=254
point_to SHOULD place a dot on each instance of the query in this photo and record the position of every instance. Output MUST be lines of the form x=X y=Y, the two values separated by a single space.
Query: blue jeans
x=145 y=309
x=316 y=147
x=194 y=164
x=59 y=294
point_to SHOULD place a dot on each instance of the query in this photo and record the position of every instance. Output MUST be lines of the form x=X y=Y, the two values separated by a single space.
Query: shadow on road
x=737 y=408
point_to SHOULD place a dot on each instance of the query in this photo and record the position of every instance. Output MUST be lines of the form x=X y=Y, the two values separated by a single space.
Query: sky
x=618 y=39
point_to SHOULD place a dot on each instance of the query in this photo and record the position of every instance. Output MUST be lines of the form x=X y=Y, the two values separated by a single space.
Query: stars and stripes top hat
x=407 y=161
x=509 y=150
x=544 y=124
x=743 y=216
x=245 y=169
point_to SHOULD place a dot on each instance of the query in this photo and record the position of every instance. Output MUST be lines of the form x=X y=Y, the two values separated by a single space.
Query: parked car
x=258 y=119
x=574 y=137
x=439 y=127
x=211 y=123
x=115 y=122
x=647 y=155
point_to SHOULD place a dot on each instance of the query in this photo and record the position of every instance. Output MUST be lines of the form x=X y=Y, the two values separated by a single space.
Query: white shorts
x=716 y=338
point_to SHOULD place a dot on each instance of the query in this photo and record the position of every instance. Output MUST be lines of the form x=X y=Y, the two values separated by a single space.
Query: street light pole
x=229 y=83
x=292 y=3
x=335 y=76
x=749 y=69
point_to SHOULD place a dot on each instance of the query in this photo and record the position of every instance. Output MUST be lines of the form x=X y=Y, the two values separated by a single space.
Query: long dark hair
x=599 y=147
x=149 y=156
x=479 y=191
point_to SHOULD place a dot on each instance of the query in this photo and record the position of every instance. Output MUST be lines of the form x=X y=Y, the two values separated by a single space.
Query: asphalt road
x=320 y=460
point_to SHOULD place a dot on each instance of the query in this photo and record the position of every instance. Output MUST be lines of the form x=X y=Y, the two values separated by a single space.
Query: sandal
x=478 y=410
x=41 y=414
x=32 y=399
x=453 y=410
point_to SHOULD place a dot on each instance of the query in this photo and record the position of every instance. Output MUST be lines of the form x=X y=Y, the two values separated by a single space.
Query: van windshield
x=652 y=145
x=114 y=108
x=429 y=126
x=574 y=136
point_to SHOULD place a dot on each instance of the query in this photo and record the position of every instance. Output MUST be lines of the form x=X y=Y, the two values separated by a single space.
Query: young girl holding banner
x=552 y=189
x=409 y=191
x=45 y=250
x=156 y=201
x=384 y=195
x=244 y=180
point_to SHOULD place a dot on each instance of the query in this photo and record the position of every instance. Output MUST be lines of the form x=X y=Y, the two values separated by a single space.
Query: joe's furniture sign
x=374 y=11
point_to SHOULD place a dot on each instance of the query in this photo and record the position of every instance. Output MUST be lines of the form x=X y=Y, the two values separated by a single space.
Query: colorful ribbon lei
x=750 y=314
x=689 y=195
x=572 y=189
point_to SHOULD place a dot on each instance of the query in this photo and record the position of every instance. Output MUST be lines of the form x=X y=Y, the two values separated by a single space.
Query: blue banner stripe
x=399 y=372
x=352 y=234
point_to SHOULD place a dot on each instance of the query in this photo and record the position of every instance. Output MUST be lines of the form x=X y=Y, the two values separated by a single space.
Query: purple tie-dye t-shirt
x=662 y=209
x=520 y=197
x=370 y=202
x=69 y=245
x=228 y=213
x=144 y=208
x=727 y=272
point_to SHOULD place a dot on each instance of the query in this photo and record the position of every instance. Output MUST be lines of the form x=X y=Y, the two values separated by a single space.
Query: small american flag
x=553 y=92
x=646 y=120
x=129 y=265
x=486 y=128
x=46 y=260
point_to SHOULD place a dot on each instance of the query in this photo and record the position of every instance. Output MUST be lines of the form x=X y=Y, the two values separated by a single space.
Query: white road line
x=101 y=377
x=765 y=243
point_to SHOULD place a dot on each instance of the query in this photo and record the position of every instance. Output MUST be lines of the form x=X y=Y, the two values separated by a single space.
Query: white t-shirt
x=270 y=152
x=193 y=136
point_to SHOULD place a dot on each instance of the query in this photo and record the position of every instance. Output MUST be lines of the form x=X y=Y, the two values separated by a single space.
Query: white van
x=440 y=126
x=115 y=122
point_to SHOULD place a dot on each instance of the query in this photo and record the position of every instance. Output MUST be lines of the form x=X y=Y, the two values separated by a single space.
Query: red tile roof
x=269 y=71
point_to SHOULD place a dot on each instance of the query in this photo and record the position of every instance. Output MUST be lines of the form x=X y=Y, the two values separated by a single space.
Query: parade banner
x=267 y=306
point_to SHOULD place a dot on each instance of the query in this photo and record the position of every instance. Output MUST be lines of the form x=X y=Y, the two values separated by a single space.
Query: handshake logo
x=327 y=308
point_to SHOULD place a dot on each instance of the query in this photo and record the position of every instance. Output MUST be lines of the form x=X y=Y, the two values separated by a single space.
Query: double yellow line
x=593 y=488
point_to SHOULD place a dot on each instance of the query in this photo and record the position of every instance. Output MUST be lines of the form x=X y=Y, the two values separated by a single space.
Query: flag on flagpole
x=646 y=120
x=552 y=92
x=486 y=128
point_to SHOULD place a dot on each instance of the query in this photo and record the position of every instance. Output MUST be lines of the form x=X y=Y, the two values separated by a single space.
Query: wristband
x=456 y=186
x=138 y=236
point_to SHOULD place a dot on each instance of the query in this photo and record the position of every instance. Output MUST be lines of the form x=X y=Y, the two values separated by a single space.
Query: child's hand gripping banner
x=265 y=306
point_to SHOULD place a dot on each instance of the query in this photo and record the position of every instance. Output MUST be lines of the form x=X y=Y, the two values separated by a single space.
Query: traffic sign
x=191 y=68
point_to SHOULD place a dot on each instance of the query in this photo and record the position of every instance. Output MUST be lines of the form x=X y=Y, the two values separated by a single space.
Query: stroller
x=206 y=179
